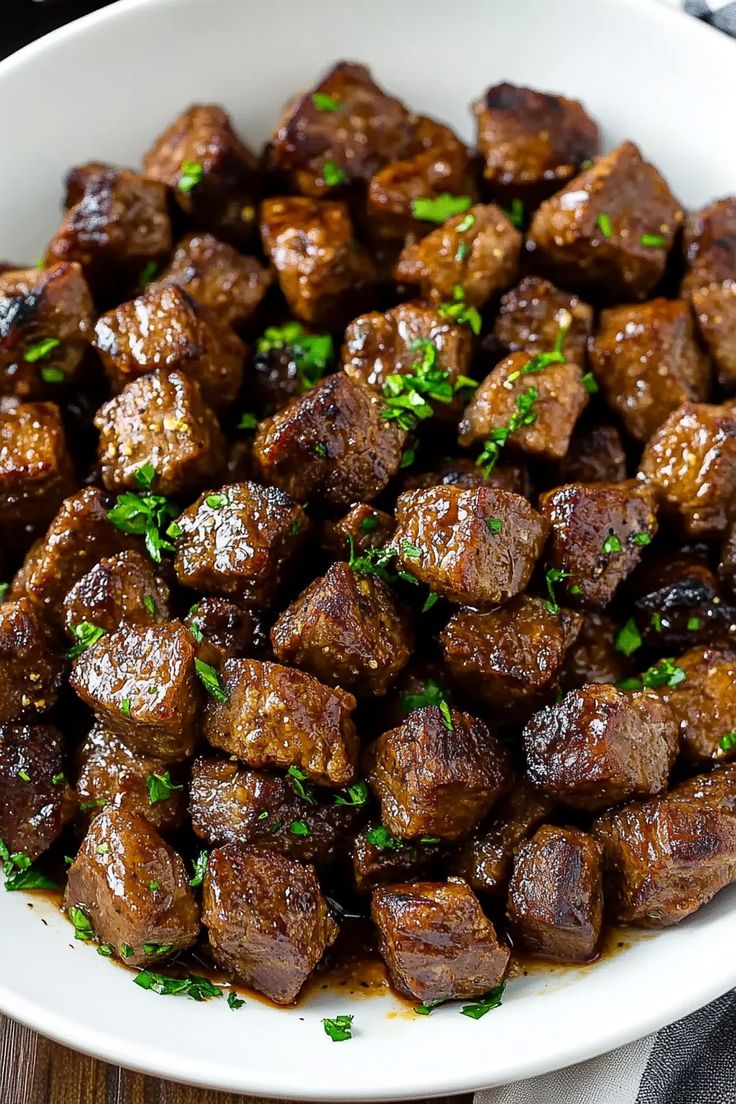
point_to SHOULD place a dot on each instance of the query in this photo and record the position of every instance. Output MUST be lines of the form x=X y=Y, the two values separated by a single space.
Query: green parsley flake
x=433 y=694
x=57 y=779
x=410 y=550
x=664 y=673
x=339 y=1028
x=320 y=449
x=234 y=1001
x=494 y=525
x=20 y=873
x=590 y=383
x=86 y=634
x=324 y=102
x=297 y=777
x=41 y=350
x=94 y=803
x=300 y=828
x=161 y=787
x=149 y=603
x=148 y=272
x=459 y=312
x=552 y=577
x=462 y=251
x=197 y=988
x=430 y=601
x=211 y=681
x=441 y=208
x=428 y=1007
x=216 y=501
x=515 y=213
x=603 y=222
x=200 y=868
x=357 y=795
x=382 y=839
x=368 y=524
x=52 y=374
x=24 y=775
x=247 y=421
x=446 y=716
x=628 y=638
x=190 y=175
x=157 y=949
x=4 y=588
x=491 y=1000
x=466 y=223
x=125 y=707
x=523 y=415
x=106 y=950
x=728 y=742
x=693 y=624
x=312 y=353
x=611 y=545
x=146 y=515
x=332 y=174
x=656 y=621
x=409 y=455
x=83 y=929
x=653 y=241
x=642 y=539
x=145 y=476
x=408 y=395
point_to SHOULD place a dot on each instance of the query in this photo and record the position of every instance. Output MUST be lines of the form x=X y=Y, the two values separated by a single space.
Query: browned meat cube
x=119 y=589
x=715 y=310
x=704 y=704
x=45 y=328
x=531 y=315
x=364 y=526
x=665 y=857
x=461 y=471
x=436 y=941
x=378 y=858
x=598 y=533
x=557 y=398
x=555 y=902
x=595 y=455
x=593 y=656
x=716 y=790
x=134 y=890
x=647 y=362
x=36 y=801
x=325 y=275
x=511 y=656
x=213 y=173
x=268 y=922
x=160 y=421
x=274 y=716
x=691 y=464
x=231 y=804
x=289 y=359
x=30 y=666
x=331 y=445
x=345 y=121
x=217 y=277
x=141 y=683
x=531 y=142
x=710 y=281
x=610 y=229
x=239 y=541
x=111 y=776
x=677 y=603
x=117 y=227
x=727 y=566
x=348 y=630
x=230 y=630
x=599 y=746
x=485 y=859
x=476 y=547
x=35 y=469
x=166 y=329
x=438 y=774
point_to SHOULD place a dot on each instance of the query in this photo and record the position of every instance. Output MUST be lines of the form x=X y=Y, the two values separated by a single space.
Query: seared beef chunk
x=727 y=566
x=598 y=533
x=217 y=277
x=677 y=602
x=134 y=890
x=324 y=273
x=715 y=311
x=438 y=774
x=30 y=664
x=461 y=471
x=647 y=362
x=117 y=227
x=45 y=328
x=112 y=776
x=119 y=589
x=331 y=445
x=704 y=704
x=555 y=903
x=227 y=629
x=348 y=630
x=36 y=801
x=710 y=281
x=239 y=541
x=364 y=526
x=166 y=329
x=664 y=858
x=477 y=250
x=595 y=455
x=212 y=172
x=559 y=398
x=476 y=547
x=691 y=464
x=609 y=230
x=531 y=316
x=600 y=745
x=267 y=919
x=274 y=716
x=531 y=142
x=436 y=941
x=378 y=858
x=716 y=790
x=232 y=804
x=593 y=656
x=141 y=682
x=35 y=470
x=510 y=656
x=160 y=421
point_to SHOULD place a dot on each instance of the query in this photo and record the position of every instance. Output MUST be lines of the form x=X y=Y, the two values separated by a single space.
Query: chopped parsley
x=433 y=694
x=382 y=839
x=603 y=222
x=210 y=679
x=611 y=545
x=93 y=803
x=51 y=374
x=446 y=716
x=628 y=638
x=409 y=455
x=332 y=174
x=656 y=621
x=148 y=272
x=441 y=208
x=552 y=577
x=161 y=787
x=491 y=1000
x=320 y=448
x=728 y=742
x=590 y=383
x=693 y=624
x=41 y=350
x=407 y=394
x=126 y=951
x=653 y=241
x=642 y=539
x=339 y=1028
x=462 y=251
x=83 y=929
x=427 y=1007
x=157 y=948
x=312 y=353
x=24 y=775
x=664 y=673
x=153 y=886
x=149 y=603
x=515 y=213
x=324 y=102
x=297 y=777
x=57 y=779
x=106 y=950
x=200 y=868
x=145 y=476
x=466 y=223
x=247 y=421
x=125 y=707
x=197 y=988
x=234 y=1001
x=430 y=601
x=523 y=415
x=4 y=588
x=216 y=501
x=86 y=634
x=368 y=524
x=410 y=550
x=190 y=175
x=357 y=794
x=494 y=525
x=300 y=828
x=458 y=311
x=102 y=849
x=377 y=561
x=146 y=515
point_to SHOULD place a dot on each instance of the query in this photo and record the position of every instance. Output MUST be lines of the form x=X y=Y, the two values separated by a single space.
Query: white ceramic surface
x=103 y=88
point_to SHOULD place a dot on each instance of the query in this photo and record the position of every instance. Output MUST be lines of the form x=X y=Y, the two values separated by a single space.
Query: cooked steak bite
x=727 y=566
x=436 y=941
x=461 y=471
x=609 y=230
x=557 y=398
x=378 y=858
x=710 y=281
x=595 y=455
x=531 y=315
x=35 y=470
x=36 y=801
x=230 y=630
x=531 y=142
x=239 y=541
x=348 y=630
x=164 y=328
x=691 y=464
x=555 y=902
x=438 y=774
x=476 y=547
x=119 y=589
x=30 y=662
x=510 y=656
x=274 y=716
x=361 y=528
x=716 y=790
x=598 y=532
x=704 y=704
x=141 y=683
x=647 y=362
x=677 y=603
x=212 y=172
x=267 y=920
x=665 y=857
x=331 y=446
x=593 y=656
x=324 y=273
x=600 y=746
x=45 y=328
x=134 y=890
x=715 y=311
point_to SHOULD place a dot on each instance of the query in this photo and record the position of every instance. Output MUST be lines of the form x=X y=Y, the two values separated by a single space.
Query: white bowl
x=102 y=88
